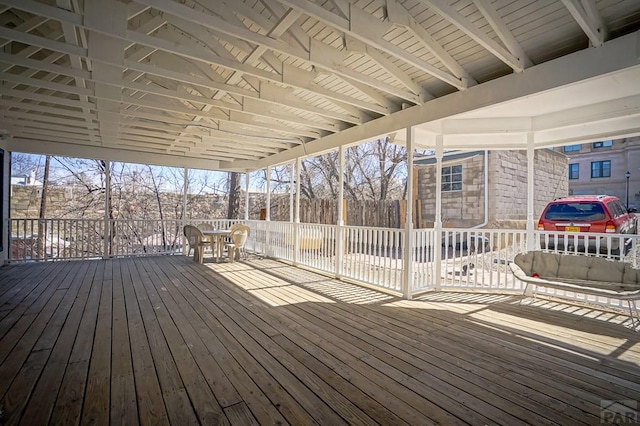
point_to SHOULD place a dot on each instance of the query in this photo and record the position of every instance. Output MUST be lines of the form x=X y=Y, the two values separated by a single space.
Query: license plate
x=572 y=229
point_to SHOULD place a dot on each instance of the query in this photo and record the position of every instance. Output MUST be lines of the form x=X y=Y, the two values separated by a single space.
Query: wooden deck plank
x=240 y=414
x=293 y=403
x=124 y=404
x=200 y=396
x=449 y=331
x=16 y=345
x=262 y=342
x=266 y=352
x=28 y=302
x=68 y=406
x=18 y=285
x=174 y=394
x=393 y=393
x=430 y=358
x=65 y=326
x=428 y=335
x=96 y=403
x=222 y=388
x=26 y=391
x=360 y=376
x=148 y=393
x=450 y=370
x=215 y=338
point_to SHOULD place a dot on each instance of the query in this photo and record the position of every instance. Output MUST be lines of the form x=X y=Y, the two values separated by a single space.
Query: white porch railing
x=469 y=259
x=61 y=239
x=145 y=237
x=374 y=256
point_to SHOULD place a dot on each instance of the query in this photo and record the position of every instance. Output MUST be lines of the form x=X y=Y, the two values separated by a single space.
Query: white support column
x=297 y=209
x=268 y=206
x=185 y=188
x=292 y=167
x=107 y=223
x=296 y=218
x=407 y=282
x=437 y=226
x=530 y=192
x=267 y=219
x=247 y=180
x=4 y=208
x=340 y=225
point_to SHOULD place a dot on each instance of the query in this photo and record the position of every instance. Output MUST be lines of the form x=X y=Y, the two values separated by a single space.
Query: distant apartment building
x=601 y=168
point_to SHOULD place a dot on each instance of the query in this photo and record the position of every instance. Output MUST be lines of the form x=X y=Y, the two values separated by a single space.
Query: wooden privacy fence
x=381 y=214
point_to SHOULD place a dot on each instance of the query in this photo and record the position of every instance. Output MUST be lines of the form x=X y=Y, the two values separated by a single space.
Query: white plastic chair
x=238 y=235
x=197 y=241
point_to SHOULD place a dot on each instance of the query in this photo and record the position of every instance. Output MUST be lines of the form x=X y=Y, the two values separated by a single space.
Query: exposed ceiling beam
x=444 y=9
x=368 y=29
x=398 y=15
x=589 y=22
x=615 y=55
x=319 y=54
x=128 y=155
x=490 y=13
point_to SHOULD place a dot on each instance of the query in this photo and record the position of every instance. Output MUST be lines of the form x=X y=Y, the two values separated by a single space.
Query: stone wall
x=459 y=208
x=77 y=202
x=507 y=189
x=508 y=184
x=25 y=200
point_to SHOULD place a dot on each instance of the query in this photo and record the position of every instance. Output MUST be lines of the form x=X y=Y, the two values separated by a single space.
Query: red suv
x=602 y=214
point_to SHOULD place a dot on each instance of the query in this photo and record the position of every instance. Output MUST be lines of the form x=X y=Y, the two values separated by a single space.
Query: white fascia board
x=34 y=146
x=481 y=126
x=485 y=141
x=592 y=113
x=596 y=131
x=614 y=56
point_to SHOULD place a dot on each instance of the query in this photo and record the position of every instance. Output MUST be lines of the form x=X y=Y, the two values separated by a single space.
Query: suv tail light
x=610 y=228
x=540 y=226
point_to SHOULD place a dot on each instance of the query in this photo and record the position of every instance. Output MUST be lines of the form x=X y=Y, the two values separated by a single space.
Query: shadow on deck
x=165 y=340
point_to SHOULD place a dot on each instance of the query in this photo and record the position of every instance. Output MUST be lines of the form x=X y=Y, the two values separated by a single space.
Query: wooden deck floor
x=168 y=341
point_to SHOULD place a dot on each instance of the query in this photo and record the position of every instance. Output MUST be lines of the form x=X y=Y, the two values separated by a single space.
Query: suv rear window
x=575 y=211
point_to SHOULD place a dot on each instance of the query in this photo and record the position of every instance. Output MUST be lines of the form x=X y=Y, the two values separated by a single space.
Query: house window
x=574 y=171
x=452 y=178
x=572 y=148
x=603 y=144
x=600 y=169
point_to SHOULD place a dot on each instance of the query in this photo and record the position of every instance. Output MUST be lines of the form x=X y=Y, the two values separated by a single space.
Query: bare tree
x=373 y=171
x=233 y=209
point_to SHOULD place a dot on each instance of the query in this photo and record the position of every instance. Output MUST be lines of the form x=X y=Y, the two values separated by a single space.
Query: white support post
x=296 y=219
x=291 y=189
x=267 y=219
x=268 y=206
x=107 y=223
x=4 y=208
x=247 y=180
x=530 y=192
x=407 y=282
x=437 y=226
x=185 y=188
x=340 y=225
x=297 y=209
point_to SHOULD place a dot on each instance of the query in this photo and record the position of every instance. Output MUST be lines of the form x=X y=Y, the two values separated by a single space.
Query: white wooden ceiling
x=237 y=85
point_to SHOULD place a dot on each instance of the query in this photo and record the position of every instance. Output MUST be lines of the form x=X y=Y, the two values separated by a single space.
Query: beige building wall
x=508 y=184
x=461 y=208
x=507 y=187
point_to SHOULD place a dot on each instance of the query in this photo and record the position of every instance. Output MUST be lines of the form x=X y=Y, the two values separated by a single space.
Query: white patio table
x=219 y=235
